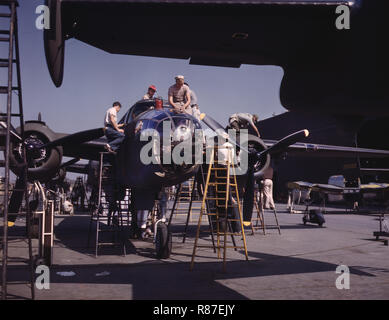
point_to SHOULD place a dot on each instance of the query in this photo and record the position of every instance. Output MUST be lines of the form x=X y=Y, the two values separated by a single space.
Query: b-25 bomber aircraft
x=46 y=148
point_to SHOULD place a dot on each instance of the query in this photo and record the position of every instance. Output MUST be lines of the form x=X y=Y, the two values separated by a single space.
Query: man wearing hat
x=150 y=92
x=179 y=96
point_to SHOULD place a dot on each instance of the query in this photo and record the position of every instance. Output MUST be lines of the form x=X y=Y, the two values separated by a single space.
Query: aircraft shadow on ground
x=15 y=232
x=73 y=233
x=295 y=226
x=166 y=280
x=170 y=279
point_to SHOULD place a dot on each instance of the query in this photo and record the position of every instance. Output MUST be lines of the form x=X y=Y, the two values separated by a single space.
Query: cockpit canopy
x=147 y=117
x=139 y=108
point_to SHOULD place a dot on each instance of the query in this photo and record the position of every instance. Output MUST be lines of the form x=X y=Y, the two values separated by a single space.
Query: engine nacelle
x=43 y=163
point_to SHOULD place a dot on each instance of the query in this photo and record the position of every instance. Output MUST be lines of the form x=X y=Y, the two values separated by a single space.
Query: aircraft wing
x=206 y=32
x=328 y=188
x=82 y=168
x=332 y=189
x=330 y=65
x=88 y=150
x=83 y=144
x=374 y=186
x=300 y=185
x=321 y=188
x=321 y=150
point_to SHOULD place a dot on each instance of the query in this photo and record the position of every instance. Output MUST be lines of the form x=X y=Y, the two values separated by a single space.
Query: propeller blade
x=76 y=138
x=12 y=130
x=16 y=198
x=284 y=143
x=210 y=122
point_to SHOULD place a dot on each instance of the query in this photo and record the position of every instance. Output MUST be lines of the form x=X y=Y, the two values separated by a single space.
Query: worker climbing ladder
x=221 y=189
x=9 y=135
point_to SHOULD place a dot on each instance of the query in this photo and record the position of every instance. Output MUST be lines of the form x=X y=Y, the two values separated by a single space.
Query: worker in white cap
x=179 y=96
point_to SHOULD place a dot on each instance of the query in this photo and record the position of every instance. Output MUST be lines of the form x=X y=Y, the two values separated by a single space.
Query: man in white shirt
x=179 y=96
x=113 y=131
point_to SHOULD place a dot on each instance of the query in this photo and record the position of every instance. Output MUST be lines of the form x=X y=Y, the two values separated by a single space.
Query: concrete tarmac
x=299 y=264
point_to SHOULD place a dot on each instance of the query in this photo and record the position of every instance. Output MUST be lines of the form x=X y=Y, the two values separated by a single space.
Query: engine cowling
x=43 y=163
x=253 y=142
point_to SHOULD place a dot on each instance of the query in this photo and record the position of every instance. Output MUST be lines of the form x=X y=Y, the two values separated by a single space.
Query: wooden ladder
x=221 y=189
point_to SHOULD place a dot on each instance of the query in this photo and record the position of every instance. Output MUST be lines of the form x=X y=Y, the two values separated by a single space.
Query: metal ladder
x=200 y=178
x=7 y=131
x=180 y=204
x=260 y=208
x=260 y=217
x=221 y=188
x=104 y=214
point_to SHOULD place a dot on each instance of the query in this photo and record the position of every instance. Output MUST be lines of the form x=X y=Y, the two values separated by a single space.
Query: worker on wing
x=248 y=121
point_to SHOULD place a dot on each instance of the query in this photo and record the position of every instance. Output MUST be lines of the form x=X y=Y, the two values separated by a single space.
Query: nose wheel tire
x=163 y=241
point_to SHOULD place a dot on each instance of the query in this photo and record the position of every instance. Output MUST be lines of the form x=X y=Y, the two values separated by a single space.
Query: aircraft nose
x=178 y=142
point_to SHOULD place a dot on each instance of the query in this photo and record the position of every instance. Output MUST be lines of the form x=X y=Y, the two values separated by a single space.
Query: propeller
x=248 y=197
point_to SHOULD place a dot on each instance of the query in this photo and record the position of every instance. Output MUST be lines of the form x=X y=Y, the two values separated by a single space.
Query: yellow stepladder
x=221 y=188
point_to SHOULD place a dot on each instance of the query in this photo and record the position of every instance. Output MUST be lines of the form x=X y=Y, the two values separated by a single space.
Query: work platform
x=298 y=264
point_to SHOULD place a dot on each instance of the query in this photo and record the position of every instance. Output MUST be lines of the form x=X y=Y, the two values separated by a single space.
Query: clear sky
x=93 y=79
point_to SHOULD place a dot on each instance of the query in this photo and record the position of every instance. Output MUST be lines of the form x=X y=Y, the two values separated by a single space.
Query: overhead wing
x=325 y=68
x=230 y=33
x=322 y=150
